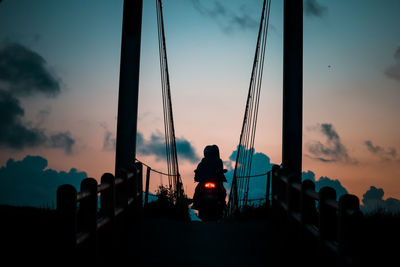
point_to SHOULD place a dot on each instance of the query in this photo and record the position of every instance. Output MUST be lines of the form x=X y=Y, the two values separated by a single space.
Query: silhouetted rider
x=211 y=166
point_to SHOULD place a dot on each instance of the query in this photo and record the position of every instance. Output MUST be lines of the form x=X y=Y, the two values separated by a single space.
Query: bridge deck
x=224 y=243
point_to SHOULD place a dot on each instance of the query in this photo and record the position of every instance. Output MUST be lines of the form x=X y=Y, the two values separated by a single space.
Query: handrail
x=118 y=181
x=119 y=196
x=296 y=186
x=254 y=175
x=312 y=194
x=333 y=223
x=83 y=195
x=332 y=203
x=159 y=172
x=103 y=187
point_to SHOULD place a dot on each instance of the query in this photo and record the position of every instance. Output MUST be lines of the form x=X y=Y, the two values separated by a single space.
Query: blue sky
x=348 y=48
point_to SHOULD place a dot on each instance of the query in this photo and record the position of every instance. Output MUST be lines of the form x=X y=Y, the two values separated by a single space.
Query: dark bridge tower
x=128 y=84
x=292 y=129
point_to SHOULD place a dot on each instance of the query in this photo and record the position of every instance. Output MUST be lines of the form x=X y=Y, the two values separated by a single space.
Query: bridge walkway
x=195 y=243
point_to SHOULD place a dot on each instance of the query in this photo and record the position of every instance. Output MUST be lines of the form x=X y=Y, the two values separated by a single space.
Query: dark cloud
x=42 y=115
x=25 y=72
x=226 y=19
x=373 y=201
x=18 y=135
x=63 y=141
x=384 y=154
x=373 y=194
x=309 y=175
x=186 y=150
x=333 y=150
x=393 y=72
x=216 y=10
x=109 y=142
x=261 y=163
x=325 y=181
x=155 y=146
x=313 y=8
x=29 y=183
x=14 y=134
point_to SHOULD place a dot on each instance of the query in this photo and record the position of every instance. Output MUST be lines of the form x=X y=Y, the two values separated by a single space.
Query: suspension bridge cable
x=174 y=178
x=240 y=188
x=153 y=170
x=252 y=176
x=255 y=116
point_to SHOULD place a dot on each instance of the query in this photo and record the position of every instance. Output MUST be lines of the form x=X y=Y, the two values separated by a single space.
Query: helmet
x=211 y=151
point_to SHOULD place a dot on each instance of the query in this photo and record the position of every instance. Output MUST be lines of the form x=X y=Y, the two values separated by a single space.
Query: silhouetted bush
x=167 y=206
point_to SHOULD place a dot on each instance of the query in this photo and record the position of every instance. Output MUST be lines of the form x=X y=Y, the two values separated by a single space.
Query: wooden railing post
x=307 y=205
x=108 y=203
x=66 y=209
x=282 y=187
x=349 y=224
x=268 y=190
x=292 y=196
x=139 y=185
x=274 y=185
x=327 y=215
x=121 y=190
x=146 y=196
x=107 y=197
x=122 y=197
x=87 y=217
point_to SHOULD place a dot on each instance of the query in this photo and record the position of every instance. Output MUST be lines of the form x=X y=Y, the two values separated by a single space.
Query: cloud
x=14 y=133
x=393 y=72
x=325 y=181
x=18 y=135
x=25 y=72
x=62 y=140
x=186 y=150
x=313 y=8
x=156 y=147
x=261 y=163
x=385 y=155
x=333 y=150
x=153 y=147
x=42 y=115
x=29 y=183
x=373 y=201
x=217 y=10
x=225 y=18
x=109 y=142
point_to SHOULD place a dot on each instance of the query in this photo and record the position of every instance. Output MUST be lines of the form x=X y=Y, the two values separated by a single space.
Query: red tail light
x=209 y=185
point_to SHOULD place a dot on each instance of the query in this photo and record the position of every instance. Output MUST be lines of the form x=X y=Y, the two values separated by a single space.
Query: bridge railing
x=333 y=224
x=94 y=213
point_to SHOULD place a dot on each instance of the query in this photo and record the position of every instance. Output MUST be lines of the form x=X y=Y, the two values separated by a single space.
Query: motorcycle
x=210 y=201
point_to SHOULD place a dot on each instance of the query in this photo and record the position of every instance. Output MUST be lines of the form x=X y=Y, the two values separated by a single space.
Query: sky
x=59 y=76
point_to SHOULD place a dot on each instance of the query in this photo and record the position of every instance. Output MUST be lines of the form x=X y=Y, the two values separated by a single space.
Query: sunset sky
x=59 y=75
